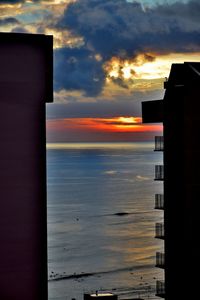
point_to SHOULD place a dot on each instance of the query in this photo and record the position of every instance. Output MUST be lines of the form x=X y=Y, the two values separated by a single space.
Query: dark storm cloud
x=77 y=69
x=10 y=1
x=15 y=1
x=102 y=108
x=7 y=21
x=117 y=27
x=124 y=29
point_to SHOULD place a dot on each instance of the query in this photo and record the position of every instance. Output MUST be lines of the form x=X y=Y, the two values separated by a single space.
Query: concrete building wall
x=25 y=86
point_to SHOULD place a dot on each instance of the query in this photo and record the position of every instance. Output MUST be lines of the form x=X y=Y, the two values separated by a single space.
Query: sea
x=101 y=219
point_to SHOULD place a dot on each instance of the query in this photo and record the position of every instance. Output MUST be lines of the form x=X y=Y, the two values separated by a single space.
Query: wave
x=59 y=277
x=121 y=214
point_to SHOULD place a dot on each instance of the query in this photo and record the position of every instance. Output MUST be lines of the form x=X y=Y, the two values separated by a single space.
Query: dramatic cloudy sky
x=109 y=55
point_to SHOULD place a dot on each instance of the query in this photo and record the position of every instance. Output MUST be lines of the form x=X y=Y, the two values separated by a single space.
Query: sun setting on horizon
x=109 y=56
x=115 y=124
x=99 y=149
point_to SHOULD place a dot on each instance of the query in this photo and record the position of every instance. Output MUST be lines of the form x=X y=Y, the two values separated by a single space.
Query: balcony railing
x=159 y=143
x=160 y=289
x=159 y=201
x=160 y=233
x=159 y=172
x=160 y=260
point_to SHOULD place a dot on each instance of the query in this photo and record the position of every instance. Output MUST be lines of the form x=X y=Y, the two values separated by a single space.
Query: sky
x=109 y=56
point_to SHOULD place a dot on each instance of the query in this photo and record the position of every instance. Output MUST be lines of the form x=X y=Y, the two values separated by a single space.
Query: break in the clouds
x=122 y=29
x=100 y=129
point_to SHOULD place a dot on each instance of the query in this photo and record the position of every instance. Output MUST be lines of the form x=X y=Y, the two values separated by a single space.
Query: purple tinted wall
x=25 y=85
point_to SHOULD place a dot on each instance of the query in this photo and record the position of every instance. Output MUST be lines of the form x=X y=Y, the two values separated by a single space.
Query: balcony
x=152 y=111
x=159 y=201
x=159 y=143
x=160 y=260
x=159 y=172
x=160 y=289
x=160 y=233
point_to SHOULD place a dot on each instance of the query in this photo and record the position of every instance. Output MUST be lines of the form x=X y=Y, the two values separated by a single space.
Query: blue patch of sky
x=35 y=13
x=32 y=17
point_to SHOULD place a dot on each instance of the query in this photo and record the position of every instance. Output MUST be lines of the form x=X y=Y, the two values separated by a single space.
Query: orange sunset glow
x=115 y=124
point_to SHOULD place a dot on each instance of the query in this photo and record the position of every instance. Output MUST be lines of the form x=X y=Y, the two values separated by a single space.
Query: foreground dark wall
x=182 y=182
x=25 y=85
x=181 y=120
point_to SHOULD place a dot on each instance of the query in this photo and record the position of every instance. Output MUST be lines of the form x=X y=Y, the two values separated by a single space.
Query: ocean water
x=101 y=219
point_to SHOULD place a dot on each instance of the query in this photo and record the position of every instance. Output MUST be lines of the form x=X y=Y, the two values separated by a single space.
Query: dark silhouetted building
x=25 y=85
x=180 y=111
